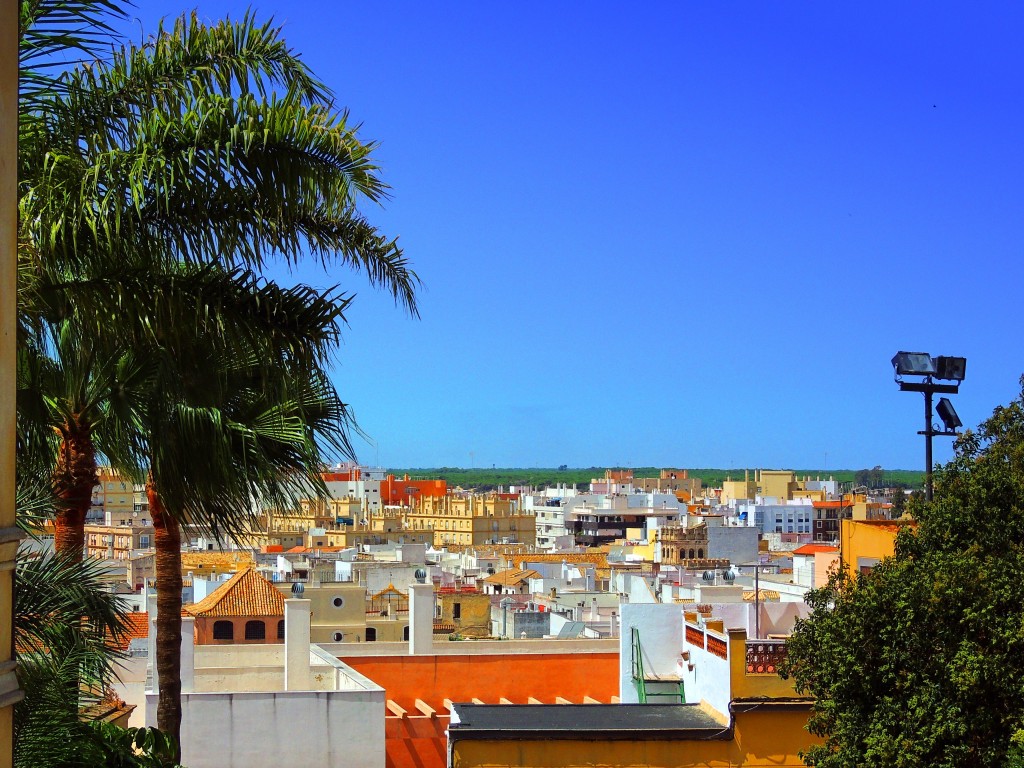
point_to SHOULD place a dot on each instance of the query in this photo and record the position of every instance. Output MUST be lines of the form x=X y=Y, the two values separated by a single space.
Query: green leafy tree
x=899 y=504
x=921 y=661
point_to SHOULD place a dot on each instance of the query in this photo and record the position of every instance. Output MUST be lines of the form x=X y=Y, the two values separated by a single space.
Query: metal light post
x=924 y=365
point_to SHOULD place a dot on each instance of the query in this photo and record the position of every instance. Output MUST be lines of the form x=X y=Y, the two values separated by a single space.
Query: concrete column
x=296 y=644
x=421 y=618
x=188 y=654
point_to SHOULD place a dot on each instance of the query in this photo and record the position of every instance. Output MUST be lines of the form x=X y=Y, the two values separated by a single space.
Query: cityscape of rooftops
x=455 y=386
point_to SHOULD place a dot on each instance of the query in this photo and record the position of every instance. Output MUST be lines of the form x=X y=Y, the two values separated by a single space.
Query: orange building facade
x=420 y=690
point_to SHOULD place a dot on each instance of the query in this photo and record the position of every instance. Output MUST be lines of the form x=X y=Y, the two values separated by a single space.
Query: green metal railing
x=675 y=690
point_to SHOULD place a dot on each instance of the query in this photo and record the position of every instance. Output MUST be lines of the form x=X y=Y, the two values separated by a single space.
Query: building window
x=280 y=630
x=338 y=602
x=457 y=611
x=223 y=630
x=405 y=632
x=371 y=635
x=255 y=630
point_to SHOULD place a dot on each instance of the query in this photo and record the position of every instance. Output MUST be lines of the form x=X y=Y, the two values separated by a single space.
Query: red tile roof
x=247 y=593
x=137 y=625
x=810 y=549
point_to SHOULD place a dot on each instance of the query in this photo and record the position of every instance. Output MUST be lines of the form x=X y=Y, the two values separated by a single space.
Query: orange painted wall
x=515 y=677
x=394 y=490
x=204 y=629
x=416 y=741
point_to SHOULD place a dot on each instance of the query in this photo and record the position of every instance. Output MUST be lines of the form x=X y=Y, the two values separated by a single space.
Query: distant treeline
x=502 y=477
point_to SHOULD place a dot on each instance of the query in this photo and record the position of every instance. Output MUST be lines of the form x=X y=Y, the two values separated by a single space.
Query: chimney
x=421 y=615
x=296 y=643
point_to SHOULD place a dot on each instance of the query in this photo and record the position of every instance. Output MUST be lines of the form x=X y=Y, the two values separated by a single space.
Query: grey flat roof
x=594 y=721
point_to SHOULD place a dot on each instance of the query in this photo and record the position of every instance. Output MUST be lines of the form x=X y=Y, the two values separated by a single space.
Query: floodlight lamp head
x=913 y=364
x=948 y=414
x=952 y=368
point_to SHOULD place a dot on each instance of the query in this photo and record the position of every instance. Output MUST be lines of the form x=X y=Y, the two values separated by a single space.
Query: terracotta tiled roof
x=766 y=594
x=511 y=577
x=207 y=562
x=138 y=627
x=810 y=549
x=246 y=593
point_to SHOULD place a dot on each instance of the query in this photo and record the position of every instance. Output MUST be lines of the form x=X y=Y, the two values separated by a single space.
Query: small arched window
x=255 y=630
x=691 y=554
x=223 y=630
x=280 y=630
x=700 y=553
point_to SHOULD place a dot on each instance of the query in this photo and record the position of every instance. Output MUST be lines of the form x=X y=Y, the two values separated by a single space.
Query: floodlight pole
x=928 y=433
x=929 y=388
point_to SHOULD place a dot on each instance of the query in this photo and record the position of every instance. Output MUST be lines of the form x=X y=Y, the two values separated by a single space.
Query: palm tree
x=64 y=620
x=264 y=424
x=182 y=149
x=203 y=145
x=76 y=402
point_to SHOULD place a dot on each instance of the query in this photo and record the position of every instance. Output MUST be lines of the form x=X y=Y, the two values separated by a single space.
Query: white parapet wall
x=660 y=630
x=340 y=729
x=239 y=715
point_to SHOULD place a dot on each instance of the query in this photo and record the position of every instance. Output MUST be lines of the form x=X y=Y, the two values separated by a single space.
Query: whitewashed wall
x=268 y=730
x=661 y=637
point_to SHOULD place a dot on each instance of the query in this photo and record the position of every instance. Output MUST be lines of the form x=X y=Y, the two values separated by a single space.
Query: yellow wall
x=763 y=737
x=326 y=618
x=777 y=483
x=474 y=613
x=738 y=489
x=746 y=685
x=868 y=540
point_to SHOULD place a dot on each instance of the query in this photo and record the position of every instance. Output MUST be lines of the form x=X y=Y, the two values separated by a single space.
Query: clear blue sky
x=676 y=233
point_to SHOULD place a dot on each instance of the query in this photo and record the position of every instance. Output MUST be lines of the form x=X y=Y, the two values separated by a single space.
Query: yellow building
x=763 y=723
x=116 y=542
x=464 y=612
x=777 y=483
x=472 y=520
x=116 y=501
x=738 y=489
x=863 y=543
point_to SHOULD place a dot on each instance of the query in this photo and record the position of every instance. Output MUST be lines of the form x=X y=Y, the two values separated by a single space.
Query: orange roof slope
x=810 y=549
x=512 y=577
x=136 y=627
x=246 y=593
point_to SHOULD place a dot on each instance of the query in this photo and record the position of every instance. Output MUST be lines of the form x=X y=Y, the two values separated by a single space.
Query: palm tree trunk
x=167 y=540
x=74 y=478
